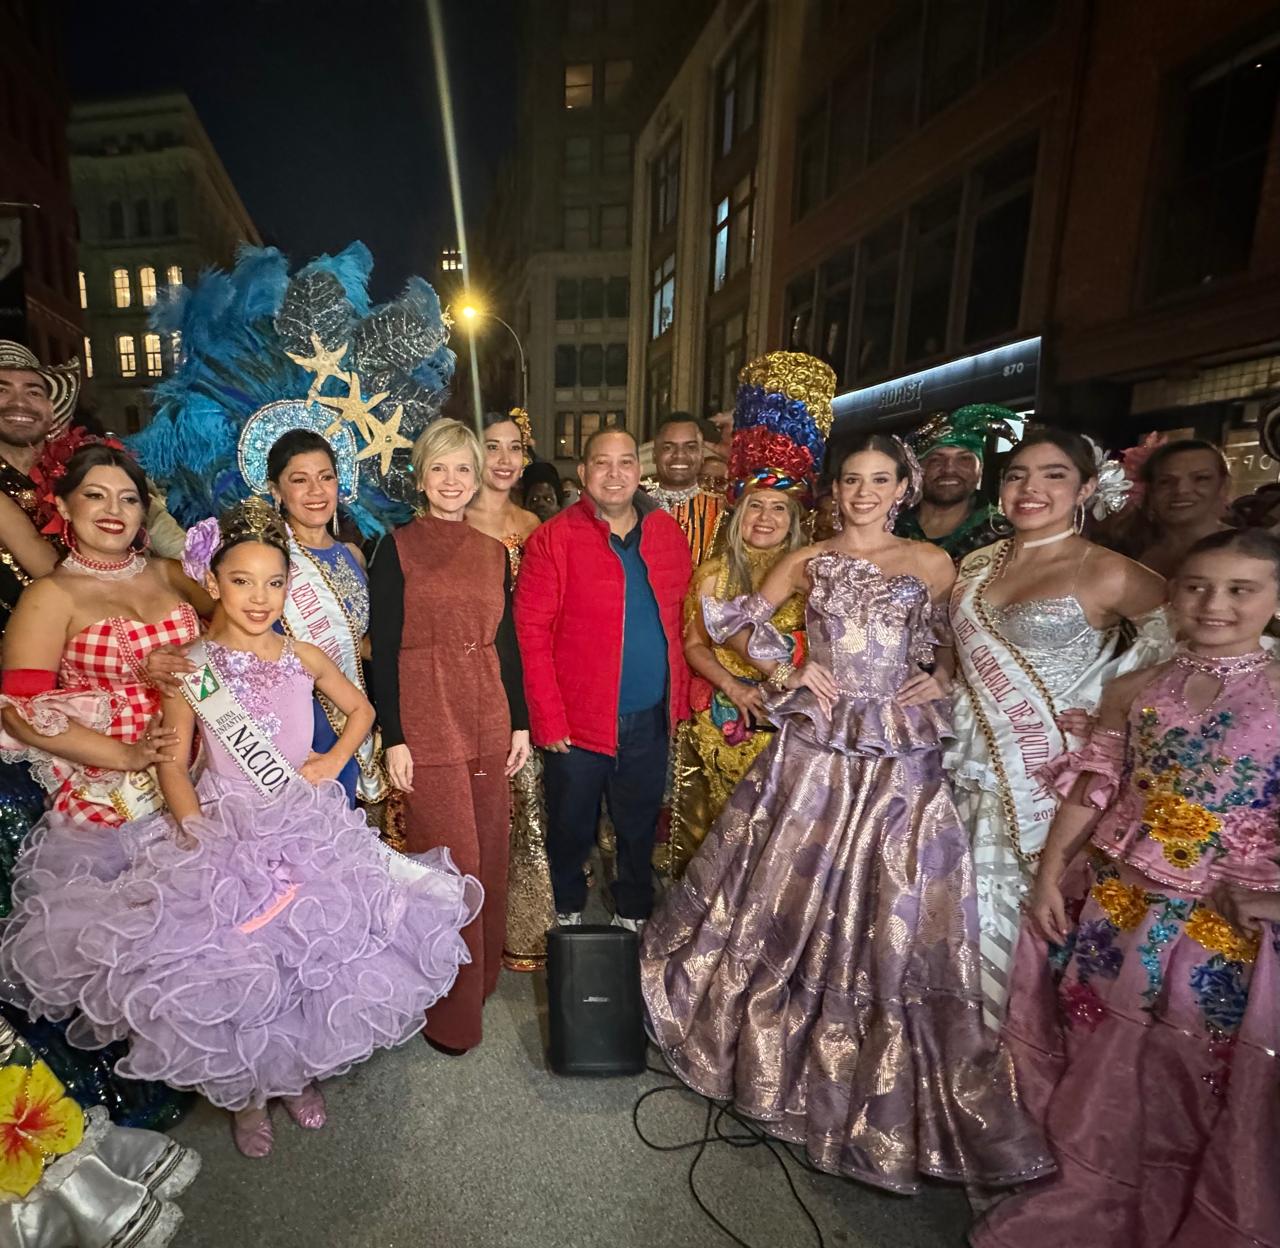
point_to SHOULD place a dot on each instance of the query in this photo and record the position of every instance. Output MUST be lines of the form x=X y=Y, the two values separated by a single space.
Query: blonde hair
x=735 y=549
x=440 y=438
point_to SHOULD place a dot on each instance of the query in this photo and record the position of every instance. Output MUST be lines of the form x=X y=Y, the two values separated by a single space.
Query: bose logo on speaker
x=595 y=1000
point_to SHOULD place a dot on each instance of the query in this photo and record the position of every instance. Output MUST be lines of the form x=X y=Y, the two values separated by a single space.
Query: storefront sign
x=1007 y=375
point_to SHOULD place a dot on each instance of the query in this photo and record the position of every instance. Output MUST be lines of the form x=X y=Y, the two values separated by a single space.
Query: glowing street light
x=472 y=313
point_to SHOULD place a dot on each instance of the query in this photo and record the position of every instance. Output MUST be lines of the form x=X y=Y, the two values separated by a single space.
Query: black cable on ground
x=716 y=1130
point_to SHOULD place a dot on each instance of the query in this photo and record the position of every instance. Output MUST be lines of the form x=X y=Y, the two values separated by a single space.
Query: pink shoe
x=307 y=1109
x=253 y=1134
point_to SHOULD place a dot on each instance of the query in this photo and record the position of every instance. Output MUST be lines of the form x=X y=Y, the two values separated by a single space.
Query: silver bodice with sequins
x=1055 y=637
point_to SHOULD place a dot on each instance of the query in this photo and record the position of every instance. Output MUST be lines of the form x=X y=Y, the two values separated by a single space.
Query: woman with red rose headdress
x=780 y=422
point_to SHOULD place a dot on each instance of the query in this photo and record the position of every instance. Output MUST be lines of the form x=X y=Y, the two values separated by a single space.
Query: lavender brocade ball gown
x=278 y=951
x=817 y=965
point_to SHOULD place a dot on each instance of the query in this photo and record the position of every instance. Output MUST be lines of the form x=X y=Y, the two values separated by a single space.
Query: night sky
x=323 y=111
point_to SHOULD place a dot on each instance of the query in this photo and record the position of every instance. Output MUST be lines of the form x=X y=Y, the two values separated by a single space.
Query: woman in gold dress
x=530 y=911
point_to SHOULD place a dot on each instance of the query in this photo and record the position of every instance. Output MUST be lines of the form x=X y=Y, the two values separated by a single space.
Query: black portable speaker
x=593 y=993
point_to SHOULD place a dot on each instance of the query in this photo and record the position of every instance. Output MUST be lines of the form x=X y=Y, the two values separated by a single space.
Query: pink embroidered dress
x=279 y=950
x=1148 y=1043
x=102 y=684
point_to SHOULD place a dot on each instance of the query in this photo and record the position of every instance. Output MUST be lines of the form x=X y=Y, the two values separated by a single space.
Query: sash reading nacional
x=1013 y=708
x=260 y=762
x=313 y=612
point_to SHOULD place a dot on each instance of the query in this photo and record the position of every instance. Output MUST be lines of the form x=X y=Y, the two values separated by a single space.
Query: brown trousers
x=466 y=808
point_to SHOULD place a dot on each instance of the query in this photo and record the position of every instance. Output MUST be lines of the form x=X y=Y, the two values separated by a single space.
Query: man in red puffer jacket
x=598 y=617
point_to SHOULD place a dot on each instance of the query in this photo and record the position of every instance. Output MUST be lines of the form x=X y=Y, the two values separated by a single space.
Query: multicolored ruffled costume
x=280 y=950
x=817 y=963
x=1148 y=1043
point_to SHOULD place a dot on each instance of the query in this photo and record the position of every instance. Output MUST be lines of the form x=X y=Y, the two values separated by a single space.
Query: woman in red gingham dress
x=75 y=698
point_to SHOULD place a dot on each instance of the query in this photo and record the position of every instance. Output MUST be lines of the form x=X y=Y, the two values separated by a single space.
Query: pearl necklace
x=1223 y=668
x=125 y=570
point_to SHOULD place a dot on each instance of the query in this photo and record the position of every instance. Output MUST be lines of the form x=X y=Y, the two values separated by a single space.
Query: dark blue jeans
x=632 y=784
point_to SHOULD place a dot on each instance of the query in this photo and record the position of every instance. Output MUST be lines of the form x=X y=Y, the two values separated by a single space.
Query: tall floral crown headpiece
x=251 y=519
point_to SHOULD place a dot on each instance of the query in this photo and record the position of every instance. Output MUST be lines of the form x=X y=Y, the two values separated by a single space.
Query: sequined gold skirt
x=530 y=908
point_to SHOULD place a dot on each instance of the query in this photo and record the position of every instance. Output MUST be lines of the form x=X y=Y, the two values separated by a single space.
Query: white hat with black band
x=63 y=380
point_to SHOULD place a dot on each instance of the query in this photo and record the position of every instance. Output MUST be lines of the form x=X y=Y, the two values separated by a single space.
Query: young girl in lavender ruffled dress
x=255 y=937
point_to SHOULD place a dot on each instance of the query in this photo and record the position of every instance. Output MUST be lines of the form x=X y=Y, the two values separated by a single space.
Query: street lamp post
x=471 y=312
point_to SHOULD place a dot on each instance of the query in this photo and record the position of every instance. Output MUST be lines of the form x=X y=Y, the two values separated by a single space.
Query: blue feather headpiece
x=368 y=378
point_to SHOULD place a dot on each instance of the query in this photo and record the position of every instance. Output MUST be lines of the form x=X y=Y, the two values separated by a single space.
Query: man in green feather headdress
x=952 y=512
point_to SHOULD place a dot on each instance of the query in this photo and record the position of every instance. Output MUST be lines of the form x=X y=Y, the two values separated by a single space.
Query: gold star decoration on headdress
x=352 y=407
x=385 y=438
x=323 y=364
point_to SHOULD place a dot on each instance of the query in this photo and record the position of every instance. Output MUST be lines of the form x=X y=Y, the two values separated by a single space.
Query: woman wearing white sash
x=1036 y=620
x=253 y=938
x=328 y=601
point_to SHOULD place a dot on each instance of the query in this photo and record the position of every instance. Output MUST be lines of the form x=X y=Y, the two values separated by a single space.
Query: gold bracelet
x=778 y=677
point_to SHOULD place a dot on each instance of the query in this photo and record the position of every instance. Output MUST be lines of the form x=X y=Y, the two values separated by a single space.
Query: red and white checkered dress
x=110 y=657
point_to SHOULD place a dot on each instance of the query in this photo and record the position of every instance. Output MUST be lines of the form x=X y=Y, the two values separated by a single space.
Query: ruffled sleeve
x=724 y=617
x=51 y=714
x=930 y=626
x=1101 y=759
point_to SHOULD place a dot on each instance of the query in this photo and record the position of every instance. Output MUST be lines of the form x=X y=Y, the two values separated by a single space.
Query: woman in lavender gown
x=817 y=963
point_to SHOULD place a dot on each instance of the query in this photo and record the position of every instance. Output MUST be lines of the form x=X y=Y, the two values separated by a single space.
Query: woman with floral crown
x=1037 y=624
x=816 y=964
x=782 y=417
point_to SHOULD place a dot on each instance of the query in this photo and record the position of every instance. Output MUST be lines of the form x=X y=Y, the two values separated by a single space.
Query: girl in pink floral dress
x=1146 y=1033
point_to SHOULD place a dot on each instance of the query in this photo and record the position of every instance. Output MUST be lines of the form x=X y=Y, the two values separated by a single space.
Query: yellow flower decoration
x=38 y=1122
x=1183 y=854
x=1125 y=904
x=1170 y=817
x=1218 y=935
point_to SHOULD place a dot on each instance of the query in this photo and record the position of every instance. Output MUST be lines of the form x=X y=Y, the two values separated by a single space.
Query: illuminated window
x=616 y=76
x=126 y=355
x=147 y=286
x=579 y=85
x=155 y=361
x=175 y=347
x=88 y=356
x=665 y=176
x=174 y=275
x=451 y=260
x=662 y=296
x=120 y=285
x=733 y=234
x=84 y=291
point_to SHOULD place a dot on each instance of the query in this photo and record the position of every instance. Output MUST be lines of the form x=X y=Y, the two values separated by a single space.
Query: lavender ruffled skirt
x=817 y=964
x=278 y=951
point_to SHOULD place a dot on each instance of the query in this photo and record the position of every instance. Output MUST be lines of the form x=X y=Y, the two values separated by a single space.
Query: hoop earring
x=1078 y=523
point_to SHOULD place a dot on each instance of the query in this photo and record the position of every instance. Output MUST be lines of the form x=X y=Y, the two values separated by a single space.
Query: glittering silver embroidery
x=1055 y=636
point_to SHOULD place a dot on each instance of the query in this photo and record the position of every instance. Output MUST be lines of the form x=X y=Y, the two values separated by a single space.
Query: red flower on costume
x=52 y=467
x=753 y=447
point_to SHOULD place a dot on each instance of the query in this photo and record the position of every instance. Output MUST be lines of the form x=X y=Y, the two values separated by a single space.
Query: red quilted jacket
x=569 y=608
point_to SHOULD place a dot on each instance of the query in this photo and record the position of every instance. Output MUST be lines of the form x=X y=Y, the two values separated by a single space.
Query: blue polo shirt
x=644 y=644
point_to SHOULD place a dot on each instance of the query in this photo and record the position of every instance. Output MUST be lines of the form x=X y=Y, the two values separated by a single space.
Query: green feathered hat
x=967 y=427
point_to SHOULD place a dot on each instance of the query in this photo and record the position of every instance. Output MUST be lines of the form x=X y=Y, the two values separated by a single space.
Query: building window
x=738 y=91
x=1217 y=159
x=615 y=364
x=577 y=156
x=574 y=428
x=799 y=320
x=142 y=218
x=998 y=251
x=879 y=260
x=810 y=178
x=120 y=288
x=935 y=227
x=84 y=290
x=726 y=354
x=147 y=286
x=131 y=420
x=566 y=299
x=169 y=216
x=953 y=44
x=451 y=260
x=88 y=357
x=566 y=366
x=895 y=80
x=577 y=229
x=665 y=175
x=175 y=349
x=662 y=296
x=115 y=219
x=616 y=154
x=591 y=366
x=174 y=275
x=834 y=313
x=581 y=17
x=126 y=355
x=616 y=76
x=847 y=142
x=615 y=220
x=592 y=298
x=154 y=358
x=579 y=82
x=657 y=395
x=733 y=233
x=617 y=298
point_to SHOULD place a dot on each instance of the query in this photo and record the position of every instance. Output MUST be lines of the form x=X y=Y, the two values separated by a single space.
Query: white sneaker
x=631 y=925
x=574 y=919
